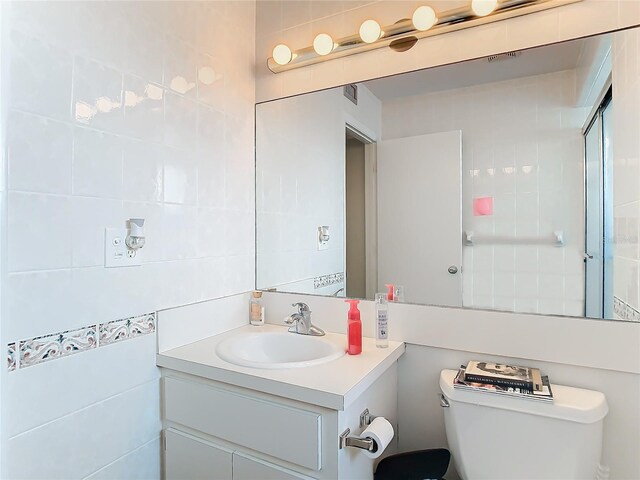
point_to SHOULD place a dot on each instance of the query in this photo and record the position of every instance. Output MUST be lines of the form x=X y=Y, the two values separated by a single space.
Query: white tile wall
x=626 y=167
x=83 y=380
x=182 y=325
x=78 y=444
x=117 y=110
x=51 y=156
x=518 y=150
x=97 y=164
x=140 y=463
x=39 y=231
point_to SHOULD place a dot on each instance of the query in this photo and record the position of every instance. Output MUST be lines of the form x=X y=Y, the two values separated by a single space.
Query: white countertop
x=333 y=385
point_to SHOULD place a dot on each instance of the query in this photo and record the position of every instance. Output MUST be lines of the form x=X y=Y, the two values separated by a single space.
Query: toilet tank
x=497 y=437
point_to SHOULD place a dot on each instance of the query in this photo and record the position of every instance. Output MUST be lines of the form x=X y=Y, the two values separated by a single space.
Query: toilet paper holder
x=366 y=418
x=365 y=443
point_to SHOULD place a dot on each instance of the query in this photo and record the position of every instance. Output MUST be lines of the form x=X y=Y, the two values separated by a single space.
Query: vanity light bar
x=402 y=35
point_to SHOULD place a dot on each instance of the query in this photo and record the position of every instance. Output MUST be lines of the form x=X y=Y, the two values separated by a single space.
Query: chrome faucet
x=301 y=321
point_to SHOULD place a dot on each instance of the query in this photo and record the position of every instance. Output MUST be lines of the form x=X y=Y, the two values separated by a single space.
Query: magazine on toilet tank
x=505 y=375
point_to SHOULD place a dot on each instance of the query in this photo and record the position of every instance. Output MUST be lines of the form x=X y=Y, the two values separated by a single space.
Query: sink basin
x=277 y=350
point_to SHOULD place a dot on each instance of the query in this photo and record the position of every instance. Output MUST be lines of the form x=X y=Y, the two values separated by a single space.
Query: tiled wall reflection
x=626 y=165
x=300 y=184
x=522 y=147
x=295 y=23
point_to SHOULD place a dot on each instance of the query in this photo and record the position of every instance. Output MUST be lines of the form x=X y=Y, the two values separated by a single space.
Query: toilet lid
x=569 y=403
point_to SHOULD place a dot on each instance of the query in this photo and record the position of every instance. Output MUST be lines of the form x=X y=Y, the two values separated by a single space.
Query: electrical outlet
x=116 y=252
x=323 y=237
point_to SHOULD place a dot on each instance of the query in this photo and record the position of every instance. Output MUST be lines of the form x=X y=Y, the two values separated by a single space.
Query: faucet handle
x=302 y=308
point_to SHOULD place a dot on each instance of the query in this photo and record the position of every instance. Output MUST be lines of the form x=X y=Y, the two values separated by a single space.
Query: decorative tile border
x=11 y=357
x=625 y=311
x=124 y=329
x=326 y=280
x=57 y=345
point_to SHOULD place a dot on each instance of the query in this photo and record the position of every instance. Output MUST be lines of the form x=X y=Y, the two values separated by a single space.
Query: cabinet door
x=245 y=420
x=249 y=468
x=189 y=458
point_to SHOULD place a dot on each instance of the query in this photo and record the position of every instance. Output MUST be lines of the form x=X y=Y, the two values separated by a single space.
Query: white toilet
x=493 y=437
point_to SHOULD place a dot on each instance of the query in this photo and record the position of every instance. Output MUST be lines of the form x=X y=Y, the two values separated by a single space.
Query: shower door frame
x=598 y=288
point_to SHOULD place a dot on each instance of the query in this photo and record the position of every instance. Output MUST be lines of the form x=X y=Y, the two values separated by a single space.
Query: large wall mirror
x=506 y=183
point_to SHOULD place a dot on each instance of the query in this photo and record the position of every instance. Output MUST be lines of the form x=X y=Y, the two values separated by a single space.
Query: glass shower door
x=599 y=214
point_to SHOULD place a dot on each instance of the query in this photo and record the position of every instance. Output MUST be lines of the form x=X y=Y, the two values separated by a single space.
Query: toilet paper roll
x=381 y=431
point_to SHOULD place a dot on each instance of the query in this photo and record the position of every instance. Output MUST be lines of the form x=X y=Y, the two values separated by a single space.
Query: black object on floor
x=417 y=465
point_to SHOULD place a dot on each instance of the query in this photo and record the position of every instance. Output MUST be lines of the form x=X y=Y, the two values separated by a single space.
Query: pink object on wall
x=483 y=206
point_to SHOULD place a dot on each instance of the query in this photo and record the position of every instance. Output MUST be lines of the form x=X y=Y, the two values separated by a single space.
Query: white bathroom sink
x=277 y=350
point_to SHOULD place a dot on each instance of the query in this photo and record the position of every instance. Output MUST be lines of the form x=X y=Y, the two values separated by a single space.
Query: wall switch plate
x=116 y=252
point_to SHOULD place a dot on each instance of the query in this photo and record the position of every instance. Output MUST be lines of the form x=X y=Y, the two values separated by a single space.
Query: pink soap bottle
x=354 y=329
x=389 y=291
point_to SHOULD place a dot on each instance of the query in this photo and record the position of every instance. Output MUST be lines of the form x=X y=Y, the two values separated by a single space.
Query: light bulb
x=482 y=8
x=323 y=44
x=424 y=18
x=282 y=54
x=370 y=31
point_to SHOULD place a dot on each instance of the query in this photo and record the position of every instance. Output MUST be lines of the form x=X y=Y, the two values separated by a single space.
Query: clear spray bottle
x=382 y=320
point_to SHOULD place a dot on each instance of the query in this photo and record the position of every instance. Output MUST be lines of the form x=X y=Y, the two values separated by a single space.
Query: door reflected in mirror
x=506 y=183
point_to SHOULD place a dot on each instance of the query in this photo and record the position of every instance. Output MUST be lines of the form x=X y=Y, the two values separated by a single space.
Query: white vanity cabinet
x=225 y=421
x=189 y=457
x=248 y=468
x=216 y=430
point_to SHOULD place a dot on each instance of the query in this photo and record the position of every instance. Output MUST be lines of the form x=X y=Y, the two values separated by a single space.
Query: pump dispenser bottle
x=382 y=320
x=354 y=329
x=389 y=291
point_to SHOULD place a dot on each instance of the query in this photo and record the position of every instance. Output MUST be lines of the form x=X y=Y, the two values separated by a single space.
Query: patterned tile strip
x=326 y=280
x=119 y=330
x=50 y=347
x=58 y=345
x=143 y=325
x=625 y=311
x=11 y=357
